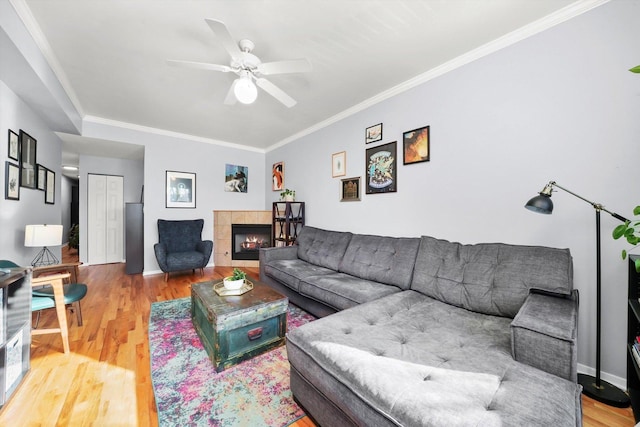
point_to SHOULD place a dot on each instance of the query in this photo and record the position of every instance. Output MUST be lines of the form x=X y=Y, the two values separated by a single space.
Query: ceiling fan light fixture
x=245 y=90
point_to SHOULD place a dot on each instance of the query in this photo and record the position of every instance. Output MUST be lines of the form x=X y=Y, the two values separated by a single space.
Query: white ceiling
x=111 y=56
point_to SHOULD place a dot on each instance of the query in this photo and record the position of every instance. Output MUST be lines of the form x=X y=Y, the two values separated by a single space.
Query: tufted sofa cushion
x=322 y=247
x=434 y=365
x=490 y=278
x=382 y=259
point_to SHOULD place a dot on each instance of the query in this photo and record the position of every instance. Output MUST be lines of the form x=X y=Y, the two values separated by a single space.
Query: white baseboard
x=619 y=382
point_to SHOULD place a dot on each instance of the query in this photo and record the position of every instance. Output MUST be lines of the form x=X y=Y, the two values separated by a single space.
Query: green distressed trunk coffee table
x=237 y=328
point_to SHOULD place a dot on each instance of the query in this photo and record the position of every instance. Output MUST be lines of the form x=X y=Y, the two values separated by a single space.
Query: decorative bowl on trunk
x=231 y=284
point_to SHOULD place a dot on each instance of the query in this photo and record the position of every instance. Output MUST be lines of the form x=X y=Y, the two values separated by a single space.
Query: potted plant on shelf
x=235 y=281
x=288 y=195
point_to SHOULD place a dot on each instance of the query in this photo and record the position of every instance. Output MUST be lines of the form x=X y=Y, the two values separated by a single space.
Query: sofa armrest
x=205 y=247
x=544 y=332
x=272 y=254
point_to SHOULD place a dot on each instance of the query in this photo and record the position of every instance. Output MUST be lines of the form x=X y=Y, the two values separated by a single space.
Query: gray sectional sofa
x=426 y=332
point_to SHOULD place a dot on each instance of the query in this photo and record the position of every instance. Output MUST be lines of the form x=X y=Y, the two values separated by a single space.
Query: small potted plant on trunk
x=235 y=281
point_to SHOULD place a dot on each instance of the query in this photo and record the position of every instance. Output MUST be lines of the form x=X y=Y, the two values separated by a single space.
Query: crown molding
x=549 y=21
x=167 y=133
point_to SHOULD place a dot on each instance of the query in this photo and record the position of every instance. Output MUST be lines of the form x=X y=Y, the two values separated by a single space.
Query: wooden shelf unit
x=633 y=331
x=287 y=221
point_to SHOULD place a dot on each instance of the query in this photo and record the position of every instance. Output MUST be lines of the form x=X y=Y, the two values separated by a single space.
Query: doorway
x=105 y=219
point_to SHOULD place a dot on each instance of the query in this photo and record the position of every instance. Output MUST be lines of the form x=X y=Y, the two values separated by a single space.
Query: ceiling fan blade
x=199 y=65
x=222 y=32
x=276 y=92
x=282 y=67
x=231 y=96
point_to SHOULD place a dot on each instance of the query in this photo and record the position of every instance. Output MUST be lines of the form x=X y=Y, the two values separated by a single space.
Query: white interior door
x=105 y=222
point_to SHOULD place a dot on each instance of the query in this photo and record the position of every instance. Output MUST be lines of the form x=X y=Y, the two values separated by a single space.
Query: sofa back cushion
x=387 y=260
x=180 y=235
x=489 y=278
x=322 y=247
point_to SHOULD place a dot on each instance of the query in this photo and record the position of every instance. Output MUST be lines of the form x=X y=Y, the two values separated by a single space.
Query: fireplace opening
x=247 y=239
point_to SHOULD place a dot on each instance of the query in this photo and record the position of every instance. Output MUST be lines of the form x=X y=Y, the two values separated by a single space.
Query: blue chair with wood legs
x=73 y=291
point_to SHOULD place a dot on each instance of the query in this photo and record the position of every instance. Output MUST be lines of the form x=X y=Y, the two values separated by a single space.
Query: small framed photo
x=277 y=174
x=415 y=146
x=180 y=189
x=11 y=181
x=381 y=169
x=339 y=164
x=373 y=134
x=14 y=146
x=50 y=192
x=42 y=177
x=350 y=190
x=27 y=160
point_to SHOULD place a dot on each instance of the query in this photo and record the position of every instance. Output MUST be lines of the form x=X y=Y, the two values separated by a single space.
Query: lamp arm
x=596 y=206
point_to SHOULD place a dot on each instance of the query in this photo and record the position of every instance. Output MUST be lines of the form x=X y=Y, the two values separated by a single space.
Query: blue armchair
x=181 y=246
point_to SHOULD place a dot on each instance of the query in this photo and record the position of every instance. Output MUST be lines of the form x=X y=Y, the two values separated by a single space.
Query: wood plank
x=106 y=379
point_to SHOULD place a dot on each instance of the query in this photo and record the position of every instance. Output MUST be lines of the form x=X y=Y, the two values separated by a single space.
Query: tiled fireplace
x=223 y=244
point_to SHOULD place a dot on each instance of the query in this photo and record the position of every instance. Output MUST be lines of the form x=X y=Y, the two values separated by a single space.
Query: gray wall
x=30 y=209
x=560 y=106
x=165 y=151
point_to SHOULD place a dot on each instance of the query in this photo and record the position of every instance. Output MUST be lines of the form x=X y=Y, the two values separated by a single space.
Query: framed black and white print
x=14 y=146
x=28 y=171
x=180 y=190
x=11 y=181
x=50 y=191
x=381 y=165
x=42 y=177
x=373 y=134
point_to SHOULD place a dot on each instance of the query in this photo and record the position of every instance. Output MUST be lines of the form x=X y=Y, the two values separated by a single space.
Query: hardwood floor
x=105 y=380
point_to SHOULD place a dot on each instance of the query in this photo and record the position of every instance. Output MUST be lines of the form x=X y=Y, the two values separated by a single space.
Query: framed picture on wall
x=350 y=189
x=381 y=169
x=415 y=146
x=339 y=164
x=180 y=190
x=373 y=134
x=42 y=177
x=14 y=146
x=236 y=178
x=28 y=176
x=11 y=181
x=50 y=192
x=277 y=176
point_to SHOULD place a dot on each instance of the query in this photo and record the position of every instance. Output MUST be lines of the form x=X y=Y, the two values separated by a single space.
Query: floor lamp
x=595 y=388
x=41 y=236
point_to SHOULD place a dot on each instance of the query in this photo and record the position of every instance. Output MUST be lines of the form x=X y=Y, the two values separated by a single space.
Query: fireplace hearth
x=247 y=239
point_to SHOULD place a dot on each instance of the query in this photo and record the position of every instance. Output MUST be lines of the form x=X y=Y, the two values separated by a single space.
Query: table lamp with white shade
x=43 y=235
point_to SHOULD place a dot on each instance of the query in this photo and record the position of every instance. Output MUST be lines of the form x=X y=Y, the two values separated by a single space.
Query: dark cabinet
x=15 y=329
x=134 y=237
x=288 y=220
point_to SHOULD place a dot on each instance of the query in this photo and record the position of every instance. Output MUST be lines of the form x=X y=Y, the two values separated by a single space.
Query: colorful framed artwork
x=236 y=179
x=42 y=177
x=50 y=192
x=381 y=169
x=350 y=189
x=339 y=164
x=14 y=146
x=415 y=146
x=373 y=134
x=27 y=160
x=180 y=190
x=11 y=181
x=277 y=176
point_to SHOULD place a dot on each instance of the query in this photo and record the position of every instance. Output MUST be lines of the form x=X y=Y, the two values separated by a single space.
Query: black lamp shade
x=540 y=204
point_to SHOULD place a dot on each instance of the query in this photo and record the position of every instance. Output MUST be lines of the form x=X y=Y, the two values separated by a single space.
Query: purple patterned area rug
x=189 y=392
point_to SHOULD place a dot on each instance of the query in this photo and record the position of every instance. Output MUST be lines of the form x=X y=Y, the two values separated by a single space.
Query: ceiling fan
x=249 y=68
